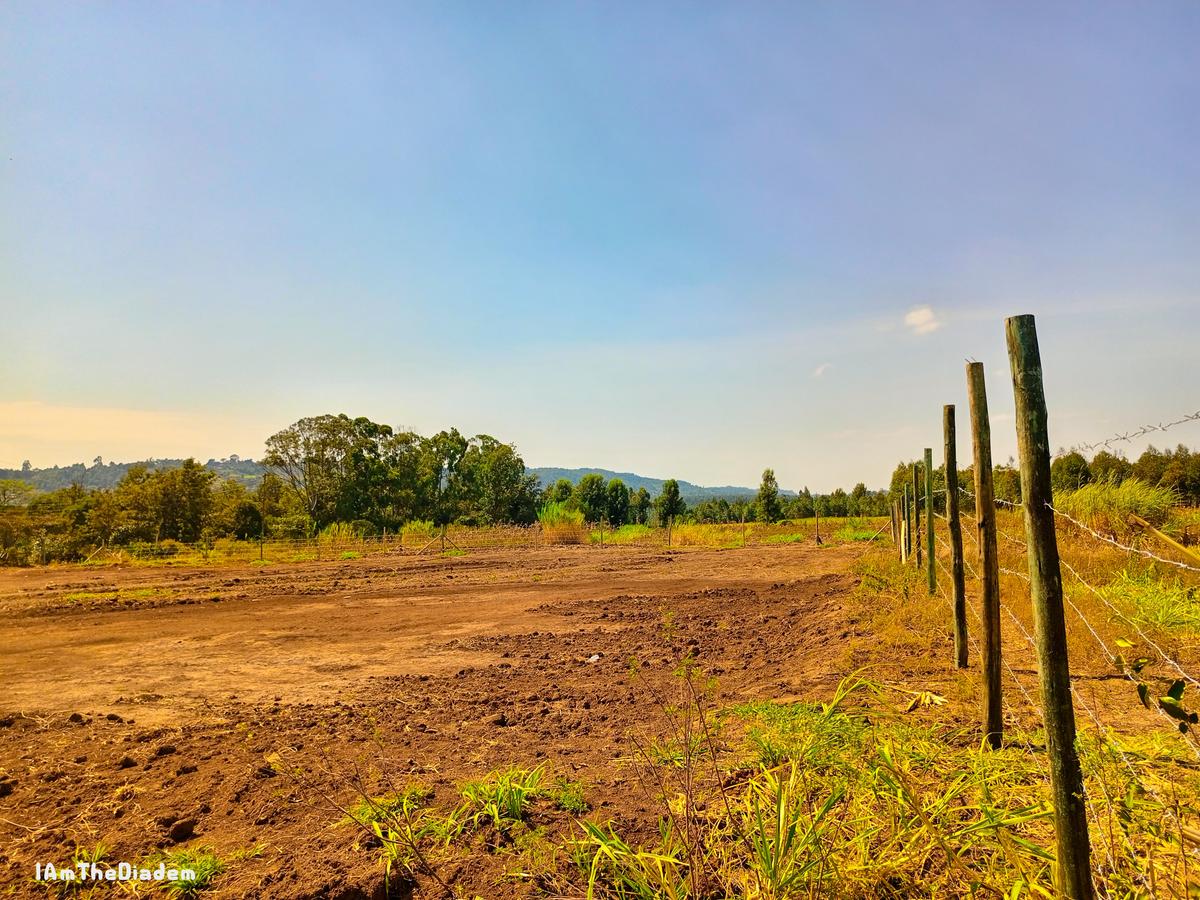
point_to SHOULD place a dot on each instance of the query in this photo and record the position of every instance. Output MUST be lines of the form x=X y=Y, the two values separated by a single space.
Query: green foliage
x=502 y=797
x=767 y=501
x=614 y=868
x=669 y=504
x=639 y=506
x=1107 y=506
x=1069 y=472
x=568 y=796
x=1160 y=603
x=562 y=523
x=617 y=503
x=591 y=497
x=560 y=492
x=201 y=860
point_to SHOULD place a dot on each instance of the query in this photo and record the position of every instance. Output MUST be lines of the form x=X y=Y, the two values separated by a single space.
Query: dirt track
x=432 y=668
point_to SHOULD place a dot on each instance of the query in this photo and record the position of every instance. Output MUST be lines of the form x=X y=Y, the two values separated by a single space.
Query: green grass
x=568 y=796
x=202 y=861
x=135 y=594
x=1106 y=506
x=502 y=797
x=855 y=530
x=1160 y=603
x=368 y=811
x=562 y=524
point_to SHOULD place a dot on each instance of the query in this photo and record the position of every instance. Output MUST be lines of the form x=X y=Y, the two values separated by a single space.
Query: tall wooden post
x=1045 y=588
x=930 y=559
x=895 y=524
x=954 y=525
x=989 y=560
x=904 y=526
x=915 y=547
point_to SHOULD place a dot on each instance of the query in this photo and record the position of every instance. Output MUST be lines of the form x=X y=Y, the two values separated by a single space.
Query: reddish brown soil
x=120 y=717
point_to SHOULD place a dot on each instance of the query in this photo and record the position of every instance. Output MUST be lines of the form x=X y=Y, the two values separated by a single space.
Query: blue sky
x=681 y=239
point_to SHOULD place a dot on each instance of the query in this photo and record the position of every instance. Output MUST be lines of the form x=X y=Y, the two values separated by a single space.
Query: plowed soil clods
x=138 y=706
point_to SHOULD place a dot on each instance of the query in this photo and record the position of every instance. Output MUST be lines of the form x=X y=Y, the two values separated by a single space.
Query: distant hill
x=107 y=475
x=247 y=471
x=692 y=493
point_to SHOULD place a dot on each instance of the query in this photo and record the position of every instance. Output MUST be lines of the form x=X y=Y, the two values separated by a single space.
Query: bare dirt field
x=139 y=706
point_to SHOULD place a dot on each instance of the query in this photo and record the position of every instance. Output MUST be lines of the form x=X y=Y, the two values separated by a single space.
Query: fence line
x=1166 y=657
x=1108 y=540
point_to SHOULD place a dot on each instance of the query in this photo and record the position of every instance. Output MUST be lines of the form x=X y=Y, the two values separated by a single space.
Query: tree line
x=1177 y=470
x=334 y=469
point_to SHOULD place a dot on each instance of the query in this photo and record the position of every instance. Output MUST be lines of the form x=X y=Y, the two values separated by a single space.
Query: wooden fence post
x=930 y=559
x=915 y=512
x=989 y=560
x=892 y=516
x=1045 y=588
x=904 y=525
x=954 y=526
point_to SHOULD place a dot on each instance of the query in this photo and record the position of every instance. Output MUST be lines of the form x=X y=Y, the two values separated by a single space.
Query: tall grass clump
x=338 y=535
x=562 y=524
x=1106 y=506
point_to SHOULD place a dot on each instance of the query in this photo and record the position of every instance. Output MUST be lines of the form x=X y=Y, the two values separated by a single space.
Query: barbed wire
x=1165 y=656
x=1108 y=540
x=1092 y=714
x=1129 y=436
x=1110 y=850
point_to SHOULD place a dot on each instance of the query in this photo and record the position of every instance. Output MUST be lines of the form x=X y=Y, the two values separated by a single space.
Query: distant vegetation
x=366 y=478
x=1175 y=473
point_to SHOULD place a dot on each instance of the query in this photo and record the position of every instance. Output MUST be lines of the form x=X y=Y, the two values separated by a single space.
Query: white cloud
x=821 y=369
x=921 y=320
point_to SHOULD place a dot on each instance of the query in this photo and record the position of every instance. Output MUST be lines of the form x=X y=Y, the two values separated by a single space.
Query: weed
x=204 y=864
x=502 y=797
x=568 y=796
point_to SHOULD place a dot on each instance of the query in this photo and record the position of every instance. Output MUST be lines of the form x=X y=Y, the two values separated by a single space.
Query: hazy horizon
x=673 y=240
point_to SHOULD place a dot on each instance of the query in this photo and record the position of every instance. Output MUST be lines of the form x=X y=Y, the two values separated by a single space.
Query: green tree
x=617 y=503
x=591 y=496
x=838 y=503
x=669 y=504
x=247 y=521
x=500 y=490
x=1006 y=484
x=767 y=500
x=1068 y=472
x=1107 y=466
x=859 y=502
x=1151 y=466
x=15 y=492
x=639 y=506
x=560 y=492
x=444 y=485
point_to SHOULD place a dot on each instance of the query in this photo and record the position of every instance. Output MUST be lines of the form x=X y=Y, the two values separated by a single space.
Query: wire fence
x=1130 y=436
x=462 y=539
x=1095 y=599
